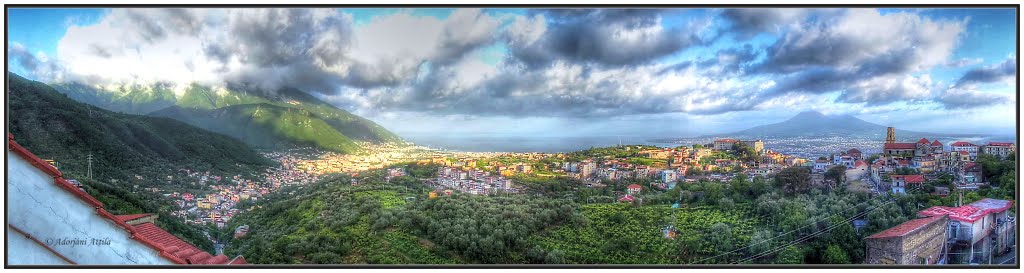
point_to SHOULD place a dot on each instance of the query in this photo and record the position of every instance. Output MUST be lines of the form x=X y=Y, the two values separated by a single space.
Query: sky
x=557 y=72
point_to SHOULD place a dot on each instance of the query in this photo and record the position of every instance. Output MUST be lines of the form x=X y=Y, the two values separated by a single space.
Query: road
x=1008 y=258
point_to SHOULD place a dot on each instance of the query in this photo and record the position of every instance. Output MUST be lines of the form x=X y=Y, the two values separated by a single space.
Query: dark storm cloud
x=603 y=36
x=1007 y=70
x=747 y=23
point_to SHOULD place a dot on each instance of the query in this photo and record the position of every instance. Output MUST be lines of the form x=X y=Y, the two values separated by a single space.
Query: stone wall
x=925 y=242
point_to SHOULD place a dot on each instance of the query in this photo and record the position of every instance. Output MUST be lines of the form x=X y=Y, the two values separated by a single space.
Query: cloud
x=318 y=50
x=845 y=52
x=749 y=22
x=557 y=63
x=613 y=37
x=39 y=66
x=957 y=98
x=1002 y=72
x=964 y=62
x=851 y=40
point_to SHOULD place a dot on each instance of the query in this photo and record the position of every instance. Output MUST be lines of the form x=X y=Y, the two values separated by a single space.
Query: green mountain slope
x=264 y=125
x=53 y=126
x=230 y=112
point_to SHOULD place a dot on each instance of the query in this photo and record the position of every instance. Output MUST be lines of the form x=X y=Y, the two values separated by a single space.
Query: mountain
x=261 y=119
x=813 y=123
x=54 y=126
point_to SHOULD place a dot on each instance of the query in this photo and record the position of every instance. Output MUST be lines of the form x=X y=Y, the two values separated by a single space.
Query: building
x=39 y=192
x=821 y=165
x=972 y=173
x=633 y=189
x=977 y=231
x=899 y=150
x=668 y=176
x=999 y=149
x=860 y=168
x=856 y=154
x=937 y=147
x=965 y=146
x=902 y=183
x=757 y=144
x=725 y=144
x=918 y=241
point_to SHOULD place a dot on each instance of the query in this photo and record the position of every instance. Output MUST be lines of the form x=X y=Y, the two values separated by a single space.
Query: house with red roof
x=634 y=189
x=918 y=241
x=52 y=222
x=983 y=227
x=856 y=154
x=860 y=168
x=901 y=183
x=968 y=147
x=937 y=147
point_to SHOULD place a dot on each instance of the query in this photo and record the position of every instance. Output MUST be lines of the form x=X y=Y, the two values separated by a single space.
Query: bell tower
x=890 y=136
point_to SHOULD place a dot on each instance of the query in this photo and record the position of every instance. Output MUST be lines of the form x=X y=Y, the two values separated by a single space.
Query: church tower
x=890 y=136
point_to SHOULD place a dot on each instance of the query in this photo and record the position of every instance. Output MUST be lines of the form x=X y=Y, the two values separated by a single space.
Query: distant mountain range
x=261 y=119
x=54 y=126
x=813 y=123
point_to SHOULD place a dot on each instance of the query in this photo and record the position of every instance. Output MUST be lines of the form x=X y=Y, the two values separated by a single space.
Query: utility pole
x=90 y=165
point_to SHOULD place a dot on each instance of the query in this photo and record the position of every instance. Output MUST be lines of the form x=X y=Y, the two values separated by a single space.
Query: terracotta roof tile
x=906 y=227
x=126 y=218
x=900 y=146
x=146 y=233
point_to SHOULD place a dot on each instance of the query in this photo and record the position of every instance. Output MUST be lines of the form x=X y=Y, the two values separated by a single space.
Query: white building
x=668 y=176
x=52 y=222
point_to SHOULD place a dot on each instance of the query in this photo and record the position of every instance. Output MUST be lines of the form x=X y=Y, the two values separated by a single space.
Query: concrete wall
x=38 y=253
x=37 y=206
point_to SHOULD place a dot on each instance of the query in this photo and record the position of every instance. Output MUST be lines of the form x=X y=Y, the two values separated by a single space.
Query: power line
x=790 y=232
x=815 y=234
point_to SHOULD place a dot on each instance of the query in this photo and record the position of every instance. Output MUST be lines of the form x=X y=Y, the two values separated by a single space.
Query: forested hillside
x=123 y=146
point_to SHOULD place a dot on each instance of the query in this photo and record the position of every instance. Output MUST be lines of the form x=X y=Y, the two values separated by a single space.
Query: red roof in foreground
x=936 y=143
x=923 y=141
x=137 y=232
x=971 y=212
x=1005 y=144
x=906 y=227
x=177 y=247
x=909 y=178
x=634 y=186
x=626 y=198
x=901 y=146
x=126 y=218
x=962 y=144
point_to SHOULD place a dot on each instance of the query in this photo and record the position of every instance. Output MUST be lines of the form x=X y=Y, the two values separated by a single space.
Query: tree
x=835 y=255
x=790 y=255
x=555 y=257
x=794 y=180
x=836 y=173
